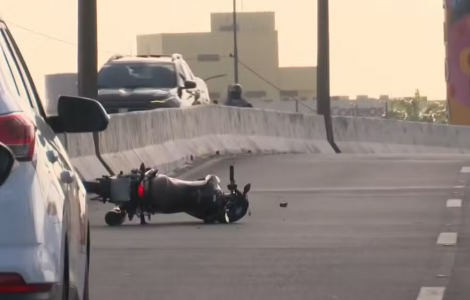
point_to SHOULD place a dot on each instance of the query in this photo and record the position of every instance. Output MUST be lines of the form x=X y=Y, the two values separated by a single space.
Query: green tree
x=417 y=109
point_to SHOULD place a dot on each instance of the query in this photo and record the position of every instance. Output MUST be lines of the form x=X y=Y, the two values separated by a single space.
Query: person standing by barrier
x=235 y=98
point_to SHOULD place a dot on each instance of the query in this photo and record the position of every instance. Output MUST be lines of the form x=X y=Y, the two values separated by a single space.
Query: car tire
x=66 y=281
x=86 y=290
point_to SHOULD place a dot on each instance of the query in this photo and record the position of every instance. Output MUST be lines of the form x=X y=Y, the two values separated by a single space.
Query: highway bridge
x=386 y=219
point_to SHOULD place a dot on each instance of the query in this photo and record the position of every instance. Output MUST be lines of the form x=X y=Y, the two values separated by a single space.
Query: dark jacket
x=241 y=102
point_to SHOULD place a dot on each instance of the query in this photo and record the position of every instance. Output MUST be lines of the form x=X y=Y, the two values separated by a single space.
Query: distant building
x=208 y=54
x=57 y=85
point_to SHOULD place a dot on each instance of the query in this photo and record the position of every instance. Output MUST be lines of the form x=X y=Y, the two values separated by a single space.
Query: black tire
x=114 y=218
x=86 y=291
x=66 y=280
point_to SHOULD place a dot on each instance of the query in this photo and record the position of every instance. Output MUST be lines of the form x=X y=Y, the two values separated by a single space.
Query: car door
x=70 y=195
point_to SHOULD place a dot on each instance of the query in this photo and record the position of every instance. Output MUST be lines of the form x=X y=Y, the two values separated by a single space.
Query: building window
x=255 y=94
x=208 y=57
x=289 y=94
x=228 y=28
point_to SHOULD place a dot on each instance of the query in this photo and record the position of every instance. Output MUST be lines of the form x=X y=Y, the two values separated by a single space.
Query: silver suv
x=44 y=229
x=145 y=82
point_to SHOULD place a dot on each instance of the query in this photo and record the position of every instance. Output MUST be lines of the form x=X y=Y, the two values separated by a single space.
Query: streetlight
x=235 y=42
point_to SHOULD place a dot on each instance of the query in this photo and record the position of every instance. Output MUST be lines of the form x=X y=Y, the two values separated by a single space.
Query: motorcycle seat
x=199 y=184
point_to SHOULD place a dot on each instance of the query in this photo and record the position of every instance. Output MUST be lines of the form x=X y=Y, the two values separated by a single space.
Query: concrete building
x=57 y=85
x=208 y=54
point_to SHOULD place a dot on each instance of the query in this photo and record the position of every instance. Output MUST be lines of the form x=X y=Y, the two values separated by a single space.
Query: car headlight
x=163 y=100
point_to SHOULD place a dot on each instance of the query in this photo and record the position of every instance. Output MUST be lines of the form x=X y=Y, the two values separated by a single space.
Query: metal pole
x=235 y=42
x=87 y=49
x=87 y=61
x=323 y=60
x=323 y=72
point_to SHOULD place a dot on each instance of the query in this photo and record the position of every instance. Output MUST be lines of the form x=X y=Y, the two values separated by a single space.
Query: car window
x=26 y=81
x=181 y=73
x=7 y=73
x=187 y=71
x=137 y=75
x=9 y=63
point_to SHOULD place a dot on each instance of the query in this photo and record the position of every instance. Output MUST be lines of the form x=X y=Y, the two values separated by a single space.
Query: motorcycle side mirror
x=246 y=189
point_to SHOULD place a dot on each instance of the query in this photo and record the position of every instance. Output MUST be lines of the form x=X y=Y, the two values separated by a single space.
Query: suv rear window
x=137 y=75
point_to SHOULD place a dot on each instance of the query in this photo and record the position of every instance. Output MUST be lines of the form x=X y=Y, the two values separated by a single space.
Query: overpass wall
x=170 y=138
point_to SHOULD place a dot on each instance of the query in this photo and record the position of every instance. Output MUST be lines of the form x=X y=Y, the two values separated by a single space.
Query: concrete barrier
x=169 y=138
x=371 y=135
x=81 y=150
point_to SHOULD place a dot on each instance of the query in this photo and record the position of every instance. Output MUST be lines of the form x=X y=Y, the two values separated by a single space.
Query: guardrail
x=169 y=138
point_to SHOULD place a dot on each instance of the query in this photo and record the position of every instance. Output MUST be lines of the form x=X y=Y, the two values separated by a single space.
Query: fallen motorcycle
x=143 y=193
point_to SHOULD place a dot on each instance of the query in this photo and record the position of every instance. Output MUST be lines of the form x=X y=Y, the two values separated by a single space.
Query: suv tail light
x=19 y=134
x=14 y=283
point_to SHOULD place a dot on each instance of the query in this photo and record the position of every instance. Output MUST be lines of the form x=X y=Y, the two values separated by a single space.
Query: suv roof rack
x=153 y=55
x=174 y=56
x=115 y=56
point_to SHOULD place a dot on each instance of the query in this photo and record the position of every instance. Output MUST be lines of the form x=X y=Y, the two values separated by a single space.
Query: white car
x=44 y=229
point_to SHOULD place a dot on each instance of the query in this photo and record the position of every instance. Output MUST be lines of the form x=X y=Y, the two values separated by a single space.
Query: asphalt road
x=355 y=228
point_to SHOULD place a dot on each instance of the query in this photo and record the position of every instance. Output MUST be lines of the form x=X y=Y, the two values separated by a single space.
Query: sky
x=390 y=47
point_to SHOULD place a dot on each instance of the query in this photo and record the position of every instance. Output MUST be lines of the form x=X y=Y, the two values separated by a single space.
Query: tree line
x=418 y=109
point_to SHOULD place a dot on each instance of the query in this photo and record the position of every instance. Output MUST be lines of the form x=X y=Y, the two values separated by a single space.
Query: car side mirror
x=215 y=101
x=190 y=84
x=7 y=161
x=80 y=115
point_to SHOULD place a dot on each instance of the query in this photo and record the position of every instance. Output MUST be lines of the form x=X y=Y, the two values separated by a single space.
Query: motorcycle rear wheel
x=115 y=218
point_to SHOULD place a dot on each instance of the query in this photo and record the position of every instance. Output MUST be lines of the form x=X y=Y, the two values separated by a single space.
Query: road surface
x=356 y=228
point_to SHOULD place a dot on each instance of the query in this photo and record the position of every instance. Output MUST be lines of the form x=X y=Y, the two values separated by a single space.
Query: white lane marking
x=465 y=170
x=326 y=189
x=447 y=238
x=454 y=203
x=431 y=293
x=459 y=186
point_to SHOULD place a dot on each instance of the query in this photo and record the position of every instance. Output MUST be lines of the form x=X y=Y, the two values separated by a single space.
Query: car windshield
x=137 y=75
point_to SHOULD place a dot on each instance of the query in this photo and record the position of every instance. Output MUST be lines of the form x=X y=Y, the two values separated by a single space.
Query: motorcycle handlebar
x=92 y=186
x=101 y=188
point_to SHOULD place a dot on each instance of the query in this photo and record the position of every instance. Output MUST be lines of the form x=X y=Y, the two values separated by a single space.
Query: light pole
x=323 y=71
x=235 y=42
x=87 y=60
x=323 y=59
